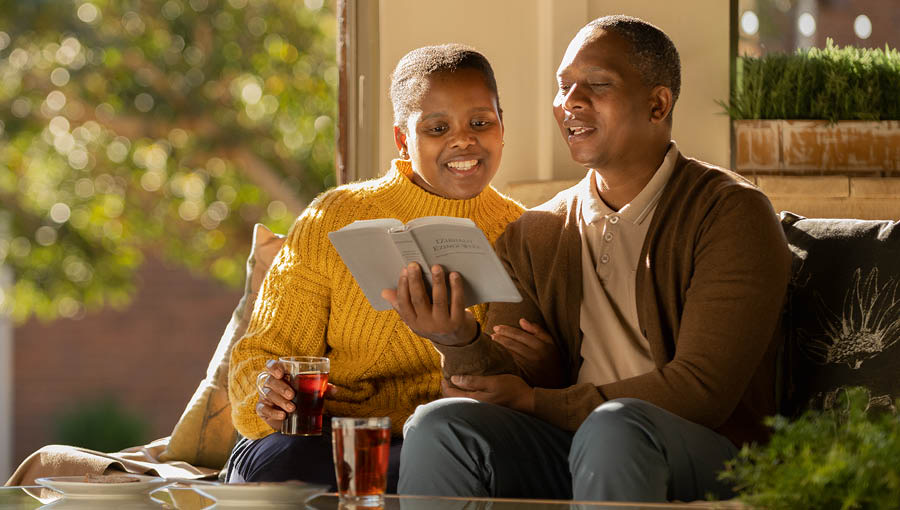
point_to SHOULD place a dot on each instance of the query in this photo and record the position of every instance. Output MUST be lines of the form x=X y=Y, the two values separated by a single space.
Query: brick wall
x=150 y=357
x=837 y=196
x=819 y=170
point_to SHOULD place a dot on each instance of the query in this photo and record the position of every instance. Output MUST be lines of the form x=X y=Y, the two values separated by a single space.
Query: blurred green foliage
x=102 y=425
x=842 y=458
x=833 y=84
x=171 y=126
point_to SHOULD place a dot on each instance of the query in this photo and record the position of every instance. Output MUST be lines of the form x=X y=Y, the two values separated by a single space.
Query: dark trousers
x=625 y=450
x=278 y=458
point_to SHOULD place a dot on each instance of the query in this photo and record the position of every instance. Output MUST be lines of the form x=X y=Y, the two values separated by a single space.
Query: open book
x=376 y=251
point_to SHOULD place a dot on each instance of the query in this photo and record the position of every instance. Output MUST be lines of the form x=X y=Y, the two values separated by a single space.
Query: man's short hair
x=408 y=81
x=653 y=53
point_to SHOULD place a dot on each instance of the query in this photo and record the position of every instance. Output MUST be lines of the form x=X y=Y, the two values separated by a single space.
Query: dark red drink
x=361 y=461
x=309 y=399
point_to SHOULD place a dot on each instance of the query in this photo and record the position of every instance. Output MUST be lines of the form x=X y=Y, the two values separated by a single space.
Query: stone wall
x=848 y=169
x=835 y=196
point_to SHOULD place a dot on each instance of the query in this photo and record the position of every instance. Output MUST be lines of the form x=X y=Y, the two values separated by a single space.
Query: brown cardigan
x=709 y=296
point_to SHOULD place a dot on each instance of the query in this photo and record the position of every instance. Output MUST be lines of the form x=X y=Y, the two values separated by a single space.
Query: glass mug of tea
x=308 y=377
x=362 y=448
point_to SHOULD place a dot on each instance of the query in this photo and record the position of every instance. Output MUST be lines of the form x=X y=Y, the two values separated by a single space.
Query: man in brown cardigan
x=643 y=352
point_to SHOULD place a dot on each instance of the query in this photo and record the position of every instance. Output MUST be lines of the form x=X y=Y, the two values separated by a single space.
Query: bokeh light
x=251 y=93
x=60 y=212
x=45 y=236
x=59 y=76
x=749 y=22
x=806 y=23
x=862 y=26
x=58 y=125
x=143 y=102
x=88 y=13
x=56 y=100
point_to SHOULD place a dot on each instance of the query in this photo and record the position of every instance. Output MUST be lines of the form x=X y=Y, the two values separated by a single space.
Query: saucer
x=259 y=494
x=76 y=487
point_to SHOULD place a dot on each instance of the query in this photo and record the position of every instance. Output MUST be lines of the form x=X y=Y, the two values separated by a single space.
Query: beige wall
x=503 y=30
x=699 y=29
x=525 y=40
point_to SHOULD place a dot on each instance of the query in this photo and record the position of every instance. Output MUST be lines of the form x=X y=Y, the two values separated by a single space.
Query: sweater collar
x=409 y=201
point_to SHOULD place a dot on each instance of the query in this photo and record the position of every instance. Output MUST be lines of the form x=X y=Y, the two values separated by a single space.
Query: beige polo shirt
x=613 y=347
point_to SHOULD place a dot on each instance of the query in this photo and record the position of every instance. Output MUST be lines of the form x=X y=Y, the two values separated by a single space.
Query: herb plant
x=833 y=84
x=844 y=458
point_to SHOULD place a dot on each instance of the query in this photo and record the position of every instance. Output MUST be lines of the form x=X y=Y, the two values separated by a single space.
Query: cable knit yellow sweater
x=310 y=305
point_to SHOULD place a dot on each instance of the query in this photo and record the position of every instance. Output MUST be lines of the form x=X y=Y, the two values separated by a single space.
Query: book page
x=382 y=223
x=465 y=249
x=409 y=251
x=440 y=220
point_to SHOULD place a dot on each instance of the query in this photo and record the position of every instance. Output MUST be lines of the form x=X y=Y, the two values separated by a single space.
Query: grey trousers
x=626 y=450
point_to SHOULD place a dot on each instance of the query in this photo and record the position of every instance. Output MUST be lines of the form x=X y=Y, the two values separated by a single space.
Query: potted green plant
x=817 y=111
x=842 y=458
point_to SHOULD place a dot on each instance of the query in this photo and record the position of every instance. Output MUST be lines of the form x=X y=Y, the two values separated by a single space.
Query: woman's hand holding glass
x=275 y=395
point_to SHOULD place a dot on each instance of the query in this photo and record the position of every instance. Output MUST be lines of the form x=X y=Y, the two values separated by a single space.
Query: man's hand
x=530 y=345
x=506 y=390
x=439 y=318
x=275 y=396
x=533 y=350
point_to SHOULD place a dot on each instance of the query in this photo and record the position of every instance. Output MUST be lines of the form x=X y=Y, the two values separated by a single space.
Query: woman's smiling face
x=455 y=137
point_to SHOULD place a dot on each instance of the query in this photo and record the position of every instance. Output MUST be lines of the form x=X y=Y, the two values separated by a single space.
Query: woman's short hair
x=408 y=81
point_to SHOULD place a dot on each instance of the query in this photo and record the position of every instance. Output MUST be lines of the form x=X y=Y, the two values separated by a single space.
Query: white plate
x=252 y=494
x=76 y=487
x=103 y=504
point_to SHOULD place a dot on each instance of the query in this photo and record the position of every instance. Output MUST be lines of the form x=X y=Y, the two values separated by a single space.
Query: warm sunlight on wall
x=525 y=39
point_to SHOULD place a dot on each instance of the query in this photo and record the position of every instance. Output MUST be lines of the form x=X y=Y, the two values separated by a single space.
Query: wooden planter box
x=816 y=147
x=849 y=169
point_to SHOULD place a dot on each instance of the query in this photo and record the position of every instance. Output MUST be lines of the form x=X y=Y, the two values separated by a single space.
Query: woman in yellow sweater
x=448 y=129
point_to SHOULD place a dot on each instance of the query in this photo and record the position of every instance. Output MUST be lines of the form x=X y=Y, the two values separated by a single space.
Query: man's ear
x=660 y=103
x=400 y=139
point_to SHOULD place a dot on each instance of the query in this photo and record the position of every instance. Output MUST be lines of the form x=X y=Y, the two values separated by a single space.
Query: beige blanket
x=59 y=460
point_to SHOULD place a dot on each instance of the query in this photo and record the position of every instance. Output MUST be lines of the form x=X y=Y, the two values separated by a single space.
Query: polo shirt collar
x=593 y=208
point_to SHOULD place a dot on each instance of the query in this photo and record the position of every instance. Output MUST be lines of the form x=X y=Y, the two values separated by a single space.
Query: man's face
x=602 y=106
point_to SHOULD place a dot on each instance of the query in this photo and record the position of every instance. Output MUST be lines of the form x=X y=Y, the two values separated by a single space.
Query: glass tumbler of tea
x=361 y=450
x=308 y=377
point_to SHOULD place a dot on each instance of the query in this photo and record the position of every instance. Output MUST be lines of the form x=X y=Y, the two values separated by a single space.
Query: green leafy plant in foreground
x=830 y=83
x=844 y=458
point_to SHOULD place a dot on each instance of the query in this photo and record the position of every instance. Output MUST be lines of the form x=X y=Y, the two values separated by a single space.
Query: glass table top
x=185 y=498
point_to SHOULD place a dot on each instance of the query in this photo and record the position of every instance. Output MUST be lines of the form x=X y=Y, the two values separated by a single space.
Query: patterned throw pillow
x=204 y=436
x=843 y=311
